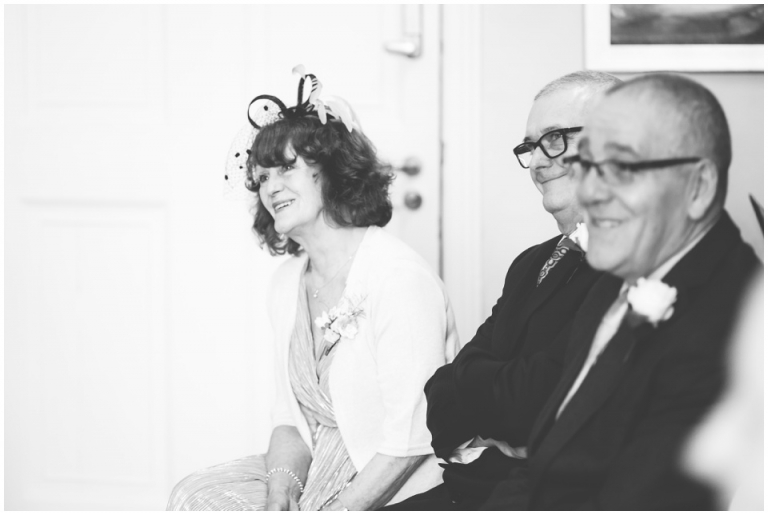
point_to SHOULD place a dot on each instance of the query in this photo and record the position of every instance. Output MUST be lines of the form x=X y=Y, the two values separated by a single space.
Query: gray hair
x=599 y=81
x=701 y=125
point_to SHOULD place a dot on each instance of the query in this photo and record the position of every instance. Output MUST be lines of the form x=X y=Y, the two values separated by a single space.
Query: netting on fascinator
x=266 y=109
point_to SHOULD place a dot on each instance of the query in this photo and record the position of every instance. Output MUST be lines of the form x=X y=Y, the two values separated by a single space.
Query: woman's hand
x=280 y=497
x=286 y=451
x=281 y=503
x=283 y=494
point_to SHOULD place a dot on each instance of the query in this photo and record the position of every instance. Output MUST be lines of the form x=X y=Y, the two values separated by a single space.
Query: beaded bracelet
x=294 y=476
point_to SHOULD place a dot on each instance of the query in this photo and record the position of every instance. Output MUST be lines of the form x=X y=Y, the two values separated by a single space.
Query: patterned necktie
x=564 y=246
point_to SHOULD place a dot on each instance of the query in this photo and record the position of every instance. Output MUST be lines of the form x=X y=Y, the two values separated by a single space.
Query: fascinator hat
x=267 y=109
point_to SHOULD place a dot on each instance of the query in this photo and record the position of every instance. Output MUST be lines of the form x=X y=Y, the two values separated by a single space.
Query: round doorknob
x=411 y=166
x=413 y=200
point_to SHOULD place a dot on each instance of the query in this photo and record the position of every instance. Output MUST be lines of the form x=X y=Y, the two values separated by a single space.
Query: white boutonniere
x=580 y=236
x=653 y=300
x=340 y=321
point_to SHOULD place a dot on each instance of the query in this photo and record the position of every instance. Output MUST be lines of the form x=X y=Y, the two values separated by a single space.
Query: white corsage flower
x=652 y=299
x=340 y=322
x=322 y=320
x=331 y=336
x=349 y=331
x=581 y=236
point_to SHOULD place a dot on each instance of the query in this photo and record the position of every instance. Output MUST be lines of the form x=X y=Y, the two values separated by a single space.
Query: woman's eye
x=287 y=167
x=262 y=178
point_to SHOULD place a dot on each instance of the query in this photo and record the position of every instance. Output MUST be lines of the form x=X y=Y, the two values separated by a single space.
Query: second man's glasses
x=553 y=144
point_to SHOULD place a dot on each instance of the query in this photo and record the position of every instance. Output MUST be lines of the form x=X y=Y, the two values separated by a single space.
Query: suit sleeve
x=504 y=397
x=449 y=423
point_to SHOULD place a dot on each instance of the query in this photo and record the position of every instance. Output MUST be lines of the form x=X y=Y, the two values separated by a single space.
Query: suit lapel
x=697 y=266
x=598 y=385
x=534 y=296
x=587 y=320
x=557 y=275
x=518 y=309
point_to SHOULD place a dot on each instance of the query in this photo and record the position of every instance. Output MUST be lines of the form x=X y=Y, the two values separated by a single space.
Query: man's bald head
x=692 y=119
x=592 y=82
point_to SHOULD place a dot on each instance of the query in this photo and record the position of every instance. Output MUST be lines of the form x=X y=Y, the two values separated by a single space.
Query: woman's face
x=292 y=195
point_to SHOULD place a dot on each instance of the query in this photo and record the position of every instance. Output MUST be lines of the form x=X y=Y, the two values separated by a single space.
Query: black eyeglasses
x=617 y=173
x=553 y=144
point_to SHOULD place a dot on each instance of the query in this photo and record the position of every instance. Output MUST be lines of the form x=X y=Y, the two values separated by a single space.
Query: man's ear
x=704 y=189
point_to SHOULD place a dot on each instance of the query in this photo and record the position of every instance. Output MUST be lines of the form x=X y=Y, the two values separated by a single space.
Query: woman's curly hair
x=354 y=182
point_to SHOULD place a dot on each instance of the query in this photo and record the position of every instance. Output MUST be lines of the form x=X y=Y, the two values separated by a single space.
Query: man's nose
x=591 y=189
x=539 y=159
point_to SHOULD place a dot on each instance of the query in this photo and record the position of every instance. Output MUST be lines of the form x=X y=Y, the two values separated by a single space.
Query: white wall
x=522 y=48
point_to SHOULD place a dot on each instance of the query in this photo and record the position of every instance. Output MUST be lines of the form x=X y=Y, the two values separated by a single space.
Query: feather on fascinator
x=266 y=109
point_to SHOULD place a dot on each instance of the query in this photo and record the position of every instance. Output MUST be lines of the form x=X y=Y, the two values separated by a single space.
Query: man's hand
x=519 y=453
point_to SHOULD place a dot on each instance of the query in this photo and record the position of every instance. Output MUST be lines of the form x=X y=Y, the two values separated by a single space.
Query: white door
x=137 y=347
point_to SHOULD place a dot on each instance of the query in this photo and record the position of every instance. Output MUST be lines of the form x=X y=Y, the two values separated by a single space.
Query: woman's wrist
x=285 y=475
x=279 y=483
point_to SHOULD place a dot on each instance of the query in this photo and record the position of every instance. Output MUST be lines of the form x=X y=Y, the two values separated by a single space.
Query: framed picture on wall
x=674 y=37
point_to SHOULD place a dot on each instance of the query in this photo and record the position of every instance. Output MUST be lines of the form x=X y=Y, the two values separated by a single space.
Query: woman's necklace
x=329 y=281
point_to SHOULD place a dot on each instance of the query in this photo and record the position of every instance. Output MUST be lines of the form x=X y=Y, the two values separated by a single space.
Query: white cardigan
x=377 y=378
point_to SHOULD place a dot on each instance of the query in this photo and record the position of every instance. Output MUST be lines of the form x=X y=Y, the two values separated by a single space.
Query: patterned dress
x=240 y=484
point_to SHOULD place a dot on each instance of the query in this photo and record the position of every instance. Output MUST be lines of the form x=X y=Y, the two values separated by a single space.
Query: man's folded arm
x=504 y=397
x=448 y=422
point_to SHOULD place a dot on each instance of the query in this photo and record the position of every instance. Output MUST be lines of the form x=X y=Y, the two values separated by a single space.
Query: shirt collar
x=564 y=236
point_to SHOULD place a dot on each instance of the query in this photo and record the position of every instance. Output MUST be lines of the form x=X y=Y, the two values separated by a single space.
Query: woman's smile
x=279 y=206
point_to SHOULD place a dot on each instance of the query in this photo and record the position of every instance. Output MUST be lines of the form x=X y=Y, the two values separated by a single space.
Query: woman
x=360 y=321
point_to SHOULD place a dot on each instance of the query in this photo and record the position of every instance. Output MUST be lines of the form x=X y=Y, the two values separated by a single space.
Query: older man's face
x=637 y=225
x=558 y=110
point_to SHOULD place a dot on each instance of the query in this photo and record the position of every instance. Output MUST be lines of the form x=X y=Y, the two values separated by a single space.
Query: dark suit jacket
x=501 y=379
x=617 y=443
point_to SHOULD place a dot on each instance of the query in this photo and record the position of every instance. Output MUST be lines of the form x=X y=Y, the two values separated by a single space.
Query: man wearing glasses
x=482 y=406
x=646 y=349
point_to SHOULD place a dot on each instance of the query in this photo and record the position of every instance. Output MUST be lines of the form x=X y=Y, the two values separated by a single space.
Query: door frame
x=461 y=128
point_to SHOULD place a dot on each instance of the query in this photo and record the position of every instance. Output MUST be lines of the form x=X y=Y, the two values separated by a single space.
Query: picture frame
x=636 y=55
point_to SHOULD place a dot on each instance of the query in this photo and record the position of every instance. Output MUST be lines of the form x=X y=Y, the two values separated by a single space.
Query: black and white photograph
x=687 y=24
x=669 y=37
x=399 y=257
